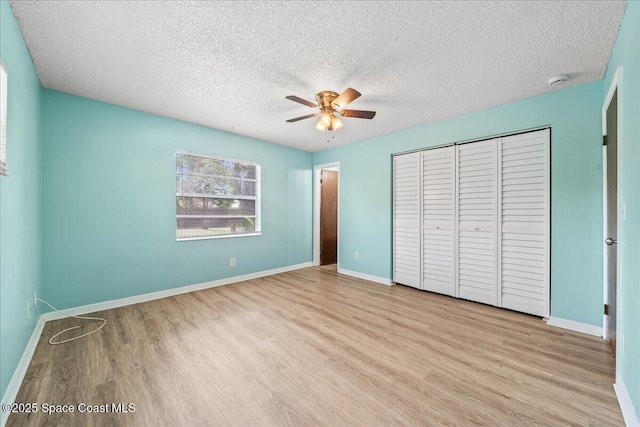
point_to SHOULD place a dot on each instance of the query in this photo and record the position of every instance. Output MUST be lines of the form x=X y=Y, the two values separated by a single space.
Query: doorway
x=610 y=174
x=328 y=217
x=326 y=214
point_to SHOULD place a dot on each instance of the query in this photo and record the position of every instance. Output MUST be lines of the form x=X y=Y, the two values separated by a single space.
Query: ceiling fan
x=331 y=106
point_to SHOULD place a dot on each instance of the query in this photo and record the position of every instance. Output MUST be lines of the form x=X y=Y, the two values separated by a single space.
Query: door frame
x=616 y=85
x=317 y=175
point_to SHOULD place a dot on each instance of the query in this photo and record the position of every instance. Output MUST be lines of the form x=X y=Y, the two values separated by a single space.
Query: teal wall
x=109 y=203
x=576 y=214
x=626 y=53
x=20 y=195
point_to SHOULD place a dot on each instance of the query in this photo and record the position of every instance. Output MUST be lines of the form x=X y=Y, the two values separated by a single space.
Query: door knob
x=610 y=241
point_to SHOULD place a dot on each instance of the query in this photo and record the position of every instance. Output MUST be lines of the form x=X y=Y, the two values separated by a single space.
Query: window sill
x=224 y=236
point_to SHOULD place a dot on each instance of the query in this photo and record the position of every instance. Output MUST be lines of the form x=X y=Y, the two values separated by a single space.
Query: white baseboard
x=559 y=322
x=18 y=375
x=106 y=305
x=364 y=276
x=626 y=405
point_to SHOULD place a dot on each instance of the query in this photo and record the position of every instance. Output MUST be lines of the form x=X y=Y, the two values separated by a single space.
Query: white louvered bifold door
x=477 y=222
x=406 y=219
x=525 y=223
x=438 y=215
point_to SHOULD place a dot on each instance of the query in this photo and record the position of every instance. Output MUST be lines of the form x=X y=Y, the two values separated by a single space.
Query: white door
x=406 y=219
x=438 y=216
x=477 y=221
x=525 y=182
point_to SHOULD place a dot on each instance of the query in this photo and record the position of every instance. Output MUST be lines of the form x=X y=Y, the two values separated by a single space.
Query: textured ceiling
x=229 y=65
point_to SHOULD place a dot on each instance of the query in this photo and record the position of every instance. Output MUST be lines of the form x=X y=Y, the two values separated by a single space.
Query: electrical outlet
x=28 y=310
x=233 y=262
x=623 y=344
x=35 y=299
x=357 y=255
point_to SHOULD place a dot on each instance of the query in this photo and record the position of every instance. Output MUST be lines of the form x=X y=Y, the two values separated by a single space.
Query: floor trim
x=106 y=305
x=364 y=276
x=626 y=406
x=18 y=375
x=572 y=325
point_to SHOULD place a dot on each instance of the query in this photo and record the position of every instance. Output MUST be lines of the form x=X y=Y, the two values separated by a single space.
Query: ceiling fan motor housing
x=325 y=98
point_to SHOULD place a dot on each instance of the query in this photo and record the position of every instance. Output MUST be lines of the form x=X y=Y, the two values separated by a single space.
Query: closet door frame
x=547 y=264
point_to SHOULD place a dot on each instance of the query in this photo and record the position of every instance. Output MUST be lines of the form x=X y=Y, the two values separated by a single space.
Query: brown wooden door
x=612 y=217
x=329 y=218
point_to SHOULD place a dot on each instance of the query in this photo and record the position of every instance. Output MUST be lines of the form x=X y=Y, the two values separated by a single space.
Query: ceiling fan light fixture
x=321 y=126
x=325 y=119
x=336 y=123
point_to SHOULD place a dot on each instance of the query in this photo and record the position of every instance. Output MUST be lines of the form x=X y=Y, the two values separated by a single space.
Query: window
x=216 y=197
x=3 y=120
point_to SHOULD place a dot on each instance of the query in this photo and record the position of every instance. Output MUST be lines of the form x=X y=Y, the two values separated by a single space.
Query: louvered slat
x=477 y=202
x=406 y=219
x=438 y=216
x=525 y=223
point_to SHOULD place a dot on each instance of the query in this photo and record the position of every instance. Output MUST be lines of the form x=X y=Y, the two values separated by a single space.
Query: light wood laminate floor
x=312 y=347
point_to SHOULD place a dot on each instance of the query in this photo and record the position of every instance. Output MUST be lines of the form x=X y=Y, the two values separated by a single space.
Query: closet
x=472 y=221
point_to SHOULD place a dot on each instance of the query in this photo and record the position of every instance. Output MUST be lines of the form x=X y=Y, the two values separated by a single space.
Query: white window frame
x=257 y=198
x=4 y=86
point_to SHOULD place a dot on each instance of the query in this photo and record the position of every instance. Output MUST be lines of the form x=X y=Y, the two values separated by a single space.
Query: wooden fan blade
x=358 y=114
x=301 y=101
x=302 y=117
x=345 y=97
